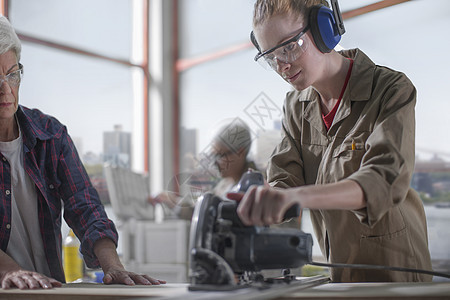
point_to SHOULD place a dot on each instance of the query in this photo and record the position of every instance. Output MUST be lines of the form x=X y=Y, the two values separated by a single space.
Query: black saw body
x=223 y=251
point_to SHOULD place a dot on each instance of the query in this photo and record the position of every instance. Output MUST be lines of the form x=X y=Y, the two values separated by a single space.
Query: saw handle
x=292 y=212
x=249 y=178
x=228 y=211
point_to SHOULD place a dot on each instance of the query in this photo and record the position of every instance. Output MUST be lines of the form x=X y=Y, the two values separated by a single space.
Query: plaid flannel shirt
x=52 y=162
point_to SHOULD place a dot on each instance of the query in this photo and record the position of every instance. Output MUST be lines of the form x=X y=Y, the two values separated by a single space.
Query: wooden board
x=87 y=291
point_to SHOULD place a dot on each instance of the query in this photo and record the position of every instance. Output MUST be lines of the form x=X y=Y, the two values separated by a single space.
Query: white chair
x=128 y=193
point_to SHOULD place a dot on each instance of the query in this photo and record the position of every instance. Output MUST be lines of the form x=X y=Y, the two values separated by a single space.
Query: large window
x=91 y=96
x=232 y=86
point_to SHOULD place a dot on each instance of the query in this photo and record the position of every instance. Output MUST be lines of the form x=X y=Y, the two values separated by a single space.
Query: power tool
x=226 y=253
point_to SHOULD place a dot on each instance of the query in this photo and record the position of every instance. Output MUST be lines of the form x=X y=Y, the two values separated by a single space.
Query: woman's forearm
x=343 y=195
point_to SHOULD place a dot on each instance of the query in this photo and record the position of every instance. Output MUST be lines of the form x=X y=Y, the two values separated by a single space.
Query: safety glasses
x=286 y=52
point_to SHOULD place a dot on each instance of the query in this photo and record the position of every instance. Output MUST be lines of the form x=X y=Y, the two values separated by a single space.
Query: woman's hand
x=105 y=250
x=171 y=199
x=28 y=280
x=263 y=205
x=121 y=276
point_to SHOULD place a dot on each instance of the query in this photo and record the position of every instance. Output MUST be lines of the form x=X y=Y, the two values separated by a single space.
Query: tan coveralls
x=376 y=114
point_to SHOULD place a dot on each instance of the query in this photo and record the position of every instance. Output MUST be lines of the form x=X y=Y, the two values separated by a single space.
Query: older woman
x=229 y=154
x=39 y=167
x=347 y=151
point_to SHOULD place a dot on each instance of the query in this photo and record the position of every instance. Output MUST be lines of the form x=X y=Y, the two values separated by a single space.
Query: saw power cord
x=377 y=267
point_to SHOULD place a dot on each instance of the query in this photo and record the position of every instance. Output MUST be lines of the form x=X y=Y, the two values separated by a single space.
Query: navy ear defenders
x=326 y=26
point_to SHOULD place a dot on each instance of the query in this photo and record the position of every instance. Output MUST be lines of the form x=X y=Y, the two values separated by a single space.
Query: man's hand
x=121 y=276
x=28 y=280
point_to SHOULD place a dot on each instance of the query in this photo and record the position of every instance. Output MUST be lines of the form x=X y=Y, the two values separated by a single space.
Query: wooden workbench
x=371 y=291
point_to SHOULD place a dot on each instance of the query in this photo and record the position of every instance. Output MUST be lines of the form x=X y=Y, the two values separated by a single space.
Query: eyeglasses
x=13 y=78
x=286 y=52
x=223 y=155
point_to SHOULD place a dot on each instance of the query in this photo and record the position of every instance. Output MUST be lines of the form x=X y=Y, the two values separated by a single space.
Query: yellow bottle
x=73 y=263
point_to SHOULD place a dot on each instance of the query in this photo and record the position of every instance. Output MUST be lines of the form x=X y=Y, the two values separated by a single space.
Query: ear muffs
x=323 y=28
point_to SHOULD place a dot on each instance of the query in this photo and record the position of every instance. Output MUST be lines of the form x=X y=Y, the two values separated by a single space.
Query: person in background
x=229 y=152
x=230 y=149
x=40 y=174
x=347 y=150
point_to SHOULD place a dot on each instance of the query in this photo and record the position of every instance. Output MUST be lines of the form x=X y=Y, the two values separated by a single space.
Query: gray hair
x=235 y=135
x=8 y=38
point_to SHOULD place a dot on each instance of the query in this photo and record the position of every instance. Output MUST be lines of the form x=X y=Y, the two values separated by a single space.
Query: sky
x=91 y=96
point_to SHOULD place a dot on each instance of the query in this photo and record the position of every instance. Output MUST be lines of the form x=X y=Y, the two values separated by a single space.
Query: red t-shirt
x=328 y=119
